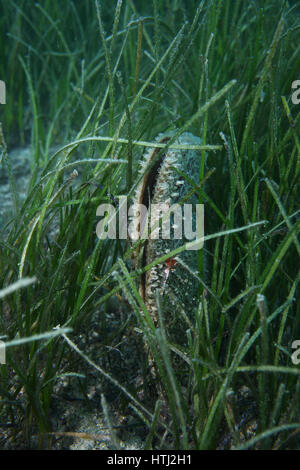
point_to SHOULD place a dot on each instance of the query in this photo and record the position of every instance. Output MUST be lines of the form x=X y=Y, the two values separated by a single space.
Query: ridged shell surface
x=164 y=183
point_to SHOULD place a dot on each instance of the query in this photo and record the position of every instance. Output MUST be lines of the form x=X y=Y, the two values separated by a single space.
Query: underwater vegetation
x=158 y=346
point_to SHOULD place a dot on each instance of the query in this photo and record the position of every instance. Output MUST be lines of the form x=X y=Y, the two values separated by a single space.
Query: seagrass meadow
x=117 y=344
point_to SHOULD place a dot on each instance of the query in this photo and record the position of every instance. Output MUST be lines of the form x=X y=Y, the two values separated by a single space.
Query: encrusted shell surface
x=161 y=184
